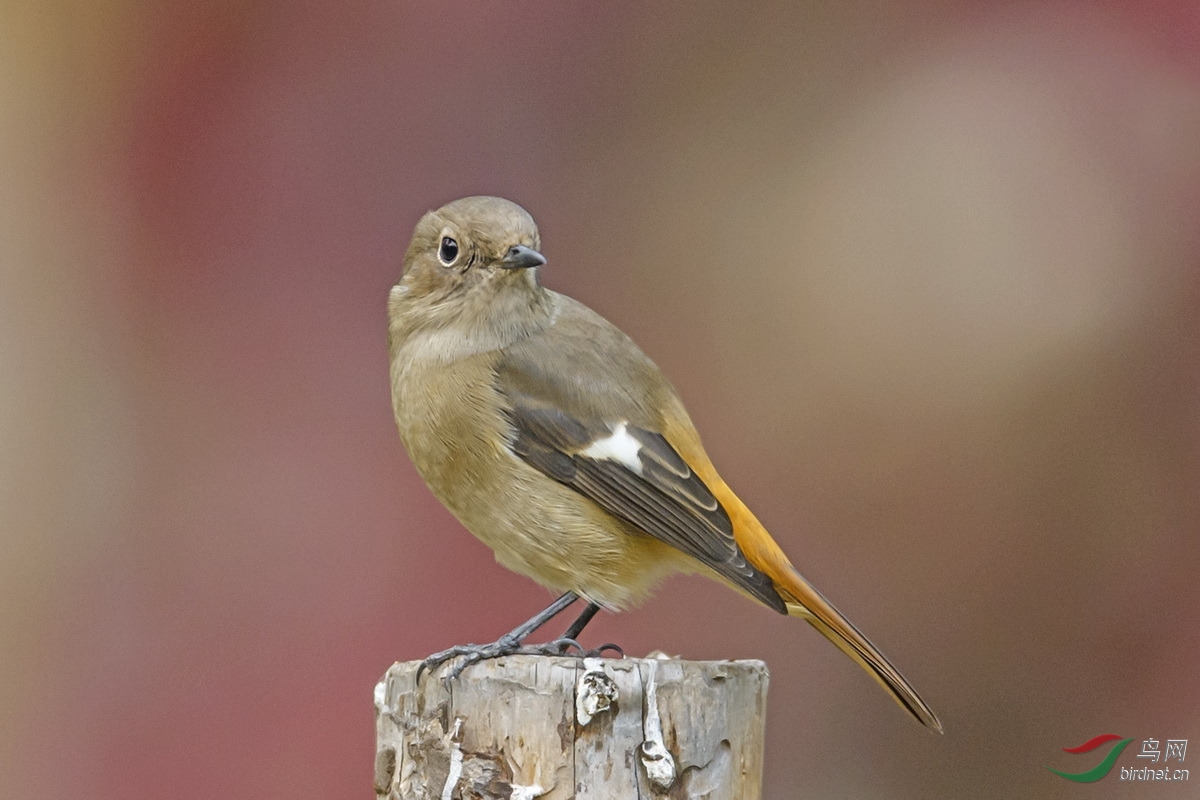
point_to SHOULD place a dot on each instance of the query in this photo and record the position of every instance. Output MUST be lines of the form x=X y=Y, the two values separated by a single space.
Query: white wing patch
x=619 y=446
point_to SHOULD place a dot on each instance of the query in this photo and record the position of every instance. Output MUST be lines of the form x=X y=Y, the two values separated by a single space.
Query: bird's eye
x=447 y=251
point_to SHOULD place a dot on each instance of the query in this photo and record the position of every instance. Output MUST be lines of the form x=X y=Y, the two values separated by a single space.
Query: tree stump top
x=556 y=727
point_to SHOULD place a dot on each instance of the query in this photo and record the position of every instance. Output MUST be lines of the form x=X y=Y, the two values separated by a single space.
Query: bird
x=557 y=442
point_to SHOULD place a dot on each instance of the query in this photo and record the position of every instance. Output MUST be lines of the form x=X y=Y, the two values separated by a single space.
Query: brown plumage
x=558 y=443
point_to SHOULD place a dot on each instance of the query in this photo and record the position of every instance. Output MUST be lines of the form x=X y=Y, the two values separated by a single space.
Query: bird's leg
x=581 y=622
x=572 y=633
x=507 y=644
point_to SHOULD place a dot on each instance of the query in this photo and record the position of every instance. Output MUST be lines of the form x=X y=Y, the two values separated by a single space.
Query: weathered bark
x=554 y=728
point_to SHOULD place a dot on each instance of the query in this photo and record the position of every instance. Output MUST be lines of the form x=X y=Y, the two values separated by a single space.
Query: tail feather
x=803 y=600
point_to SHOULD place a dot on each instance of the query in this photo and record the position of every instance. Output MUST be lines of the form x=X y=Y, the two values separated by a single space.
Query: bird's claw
x=602 y=649
x=468 y=654
x=558 y=647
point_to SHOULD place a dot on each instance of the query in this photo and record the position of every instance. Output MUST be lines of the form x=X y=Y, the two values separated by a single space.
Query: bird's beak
x=521 y=257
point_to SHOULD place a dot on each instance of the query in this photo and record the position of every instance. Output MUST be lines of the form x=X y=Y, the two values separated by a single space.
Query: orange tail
x=801 y=598
x=805 y=601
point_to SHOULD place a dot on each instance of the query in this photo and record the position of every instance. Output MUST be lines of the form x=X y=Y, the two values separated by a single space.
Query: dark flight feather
x=667 y=500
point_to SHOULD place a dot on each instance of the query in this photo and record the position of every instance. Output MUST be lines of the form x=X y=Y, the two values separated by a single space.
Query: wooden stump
x=525 y=727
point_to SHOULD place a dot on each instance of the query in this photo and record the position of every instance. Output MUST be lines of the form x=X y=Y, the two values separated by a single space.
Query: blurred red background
x=926 y=274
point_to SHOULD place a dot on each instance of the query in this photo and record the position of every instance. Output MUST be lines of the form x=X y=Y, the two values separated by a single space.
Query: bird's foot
x=569 y=647
x=469 y=654
x=507 y=645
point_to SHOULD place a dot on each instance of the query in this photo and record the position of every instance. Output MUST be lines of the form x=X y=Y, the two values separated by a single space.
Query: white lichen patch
x=656 y=759
x=595 y=691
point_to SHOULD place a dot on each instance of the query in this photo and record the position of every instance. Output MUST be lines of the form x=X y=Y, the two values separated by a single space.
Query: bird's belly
x=550 y=533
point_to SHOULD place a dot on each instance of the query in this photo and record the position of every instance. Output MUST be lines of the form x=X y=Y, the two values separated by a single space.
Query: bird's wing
x=584 y=426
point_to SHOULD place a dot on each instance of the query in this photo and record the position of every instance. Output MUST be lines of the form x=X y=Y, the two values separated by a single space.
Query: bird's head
x=472 y=266
x=471 y=245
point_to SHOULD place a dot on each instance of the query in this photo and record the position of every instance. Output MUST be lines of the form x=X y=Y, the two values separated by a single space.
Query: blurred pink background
x=926 y=273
